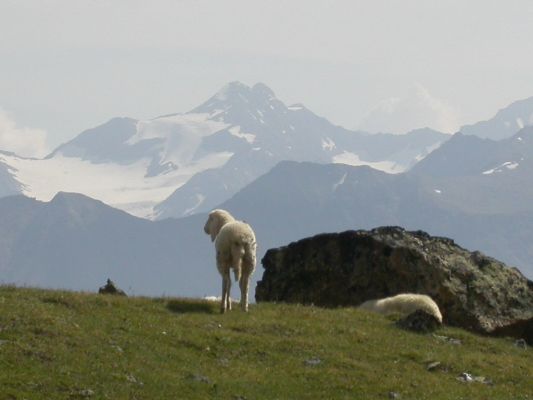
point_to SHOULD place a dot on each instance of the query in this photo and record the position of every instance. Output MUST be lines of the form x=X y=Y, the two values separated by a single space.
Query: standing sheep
x=235 y=247
x=405 y=303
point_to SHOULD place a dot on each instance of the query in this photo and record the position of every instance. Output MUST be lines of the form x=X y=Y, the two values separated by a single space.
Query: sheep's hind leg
x=228 y=297
x=243 y=283
x=226 y=285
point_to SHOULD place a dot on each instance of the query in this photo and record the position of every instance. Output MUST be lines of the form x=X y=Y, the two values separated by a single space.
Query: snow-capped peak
x=231 y=89
x=262 y=90
x=236 y=97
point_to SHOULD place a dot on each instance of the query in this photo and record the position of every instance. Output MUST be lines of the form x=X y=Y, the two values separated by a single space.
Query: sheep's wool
x=235 y=246
x=405 y=303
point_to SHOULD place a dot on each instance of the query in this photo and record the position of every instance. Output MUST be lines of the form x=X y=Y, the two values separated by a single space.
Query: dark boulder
x=472 y=290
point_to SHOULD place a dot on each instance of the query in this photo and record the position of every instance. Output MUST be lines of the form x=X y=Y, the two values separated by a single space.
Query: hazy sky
x=68 y=65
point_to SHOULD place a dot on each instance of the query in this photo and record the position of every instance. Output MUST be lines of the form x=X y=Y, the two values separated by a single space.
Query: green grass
x=65 y=345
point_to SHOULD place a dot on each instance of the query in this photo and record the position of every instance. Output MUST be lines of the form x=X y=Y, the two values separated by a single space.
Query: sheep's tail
x=237 y=253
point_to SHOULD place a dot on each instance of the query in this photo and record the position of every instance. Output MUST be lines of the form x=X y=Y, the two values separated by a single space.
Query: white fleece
x=235 y=246
x=405 y=303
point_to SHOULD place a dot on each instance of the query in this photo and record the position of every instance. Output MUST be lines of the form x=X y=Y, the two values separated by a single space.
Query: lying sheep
x=235 y=249
x=405 y=303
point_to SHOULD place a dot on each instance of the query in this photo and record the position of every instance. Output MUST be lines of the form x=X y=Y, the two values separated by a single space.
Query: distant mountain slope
x=505 y=123
x=8 y=183
x=461 y=155
x=296 y=200
x=470 y=155
x=147 y=167
x=481 y=176
x=76 y=242
x=104 y=143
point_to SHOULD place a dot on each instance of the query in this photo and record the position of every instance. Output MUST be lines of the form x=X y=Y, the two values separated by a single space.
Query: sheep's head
x=216 y=220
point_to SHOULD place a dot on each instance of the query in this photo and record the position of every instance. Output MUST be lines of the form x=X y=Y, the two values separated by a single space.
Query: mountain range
x=180 y=164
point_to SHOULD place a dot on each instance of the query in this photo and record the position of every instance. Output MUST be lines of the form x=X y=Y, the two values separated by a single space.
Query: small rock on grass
x=199 y=378
x=111 y=288
x=433 y=366
x=86 y=393
x=448 y=339
x=132 y=379
x=468 y=378
x=223 y=361
x=313 y=361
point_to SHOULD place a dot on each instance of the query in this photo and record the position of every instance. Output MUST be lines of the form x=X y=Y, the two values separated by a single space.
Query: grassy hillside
x=63 y=345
